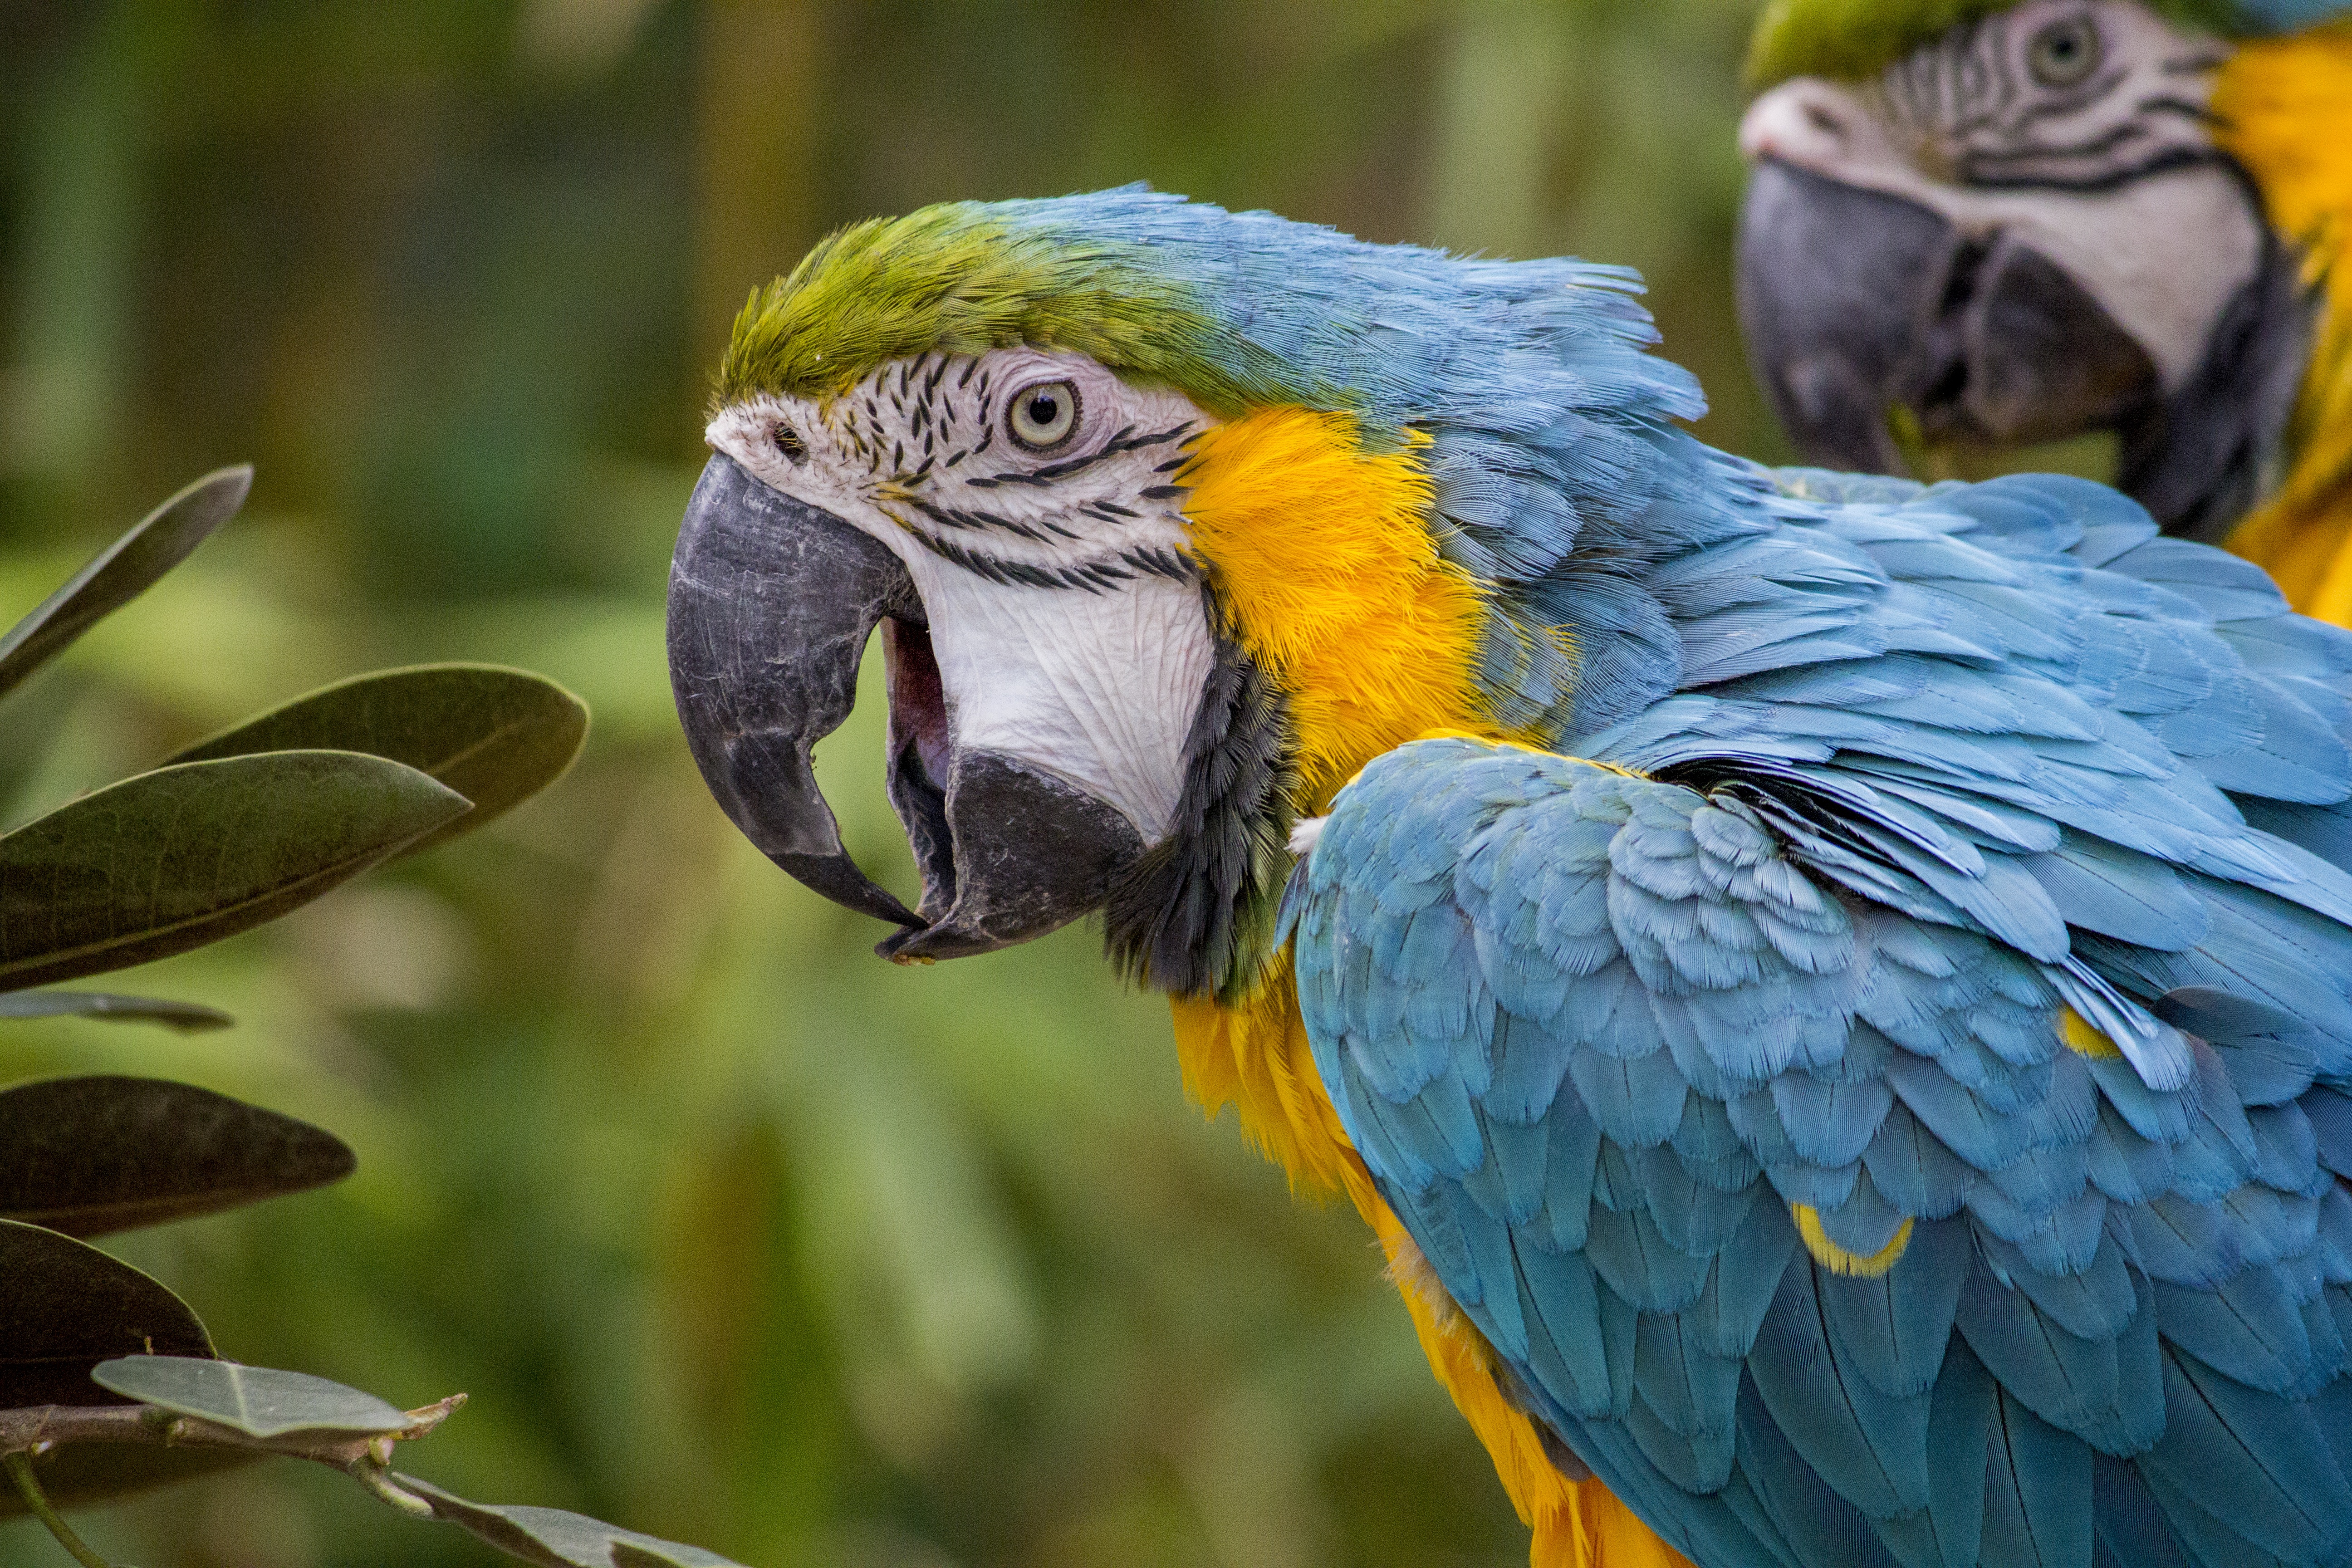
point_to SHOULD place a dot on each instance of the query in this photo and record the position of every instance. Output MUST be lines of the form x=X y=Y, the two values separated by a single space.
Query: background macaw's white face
x=2022 y=231
x=1048 y=641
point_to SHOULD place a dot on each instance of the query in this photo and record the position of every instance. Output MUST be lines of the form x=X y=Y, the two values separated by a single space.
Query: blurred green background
x=734 y=1232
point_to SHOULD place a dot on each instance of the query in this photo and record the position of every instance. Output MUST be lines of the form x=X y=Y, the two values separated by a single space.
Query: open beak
x=771 y=601
x=1856 y=302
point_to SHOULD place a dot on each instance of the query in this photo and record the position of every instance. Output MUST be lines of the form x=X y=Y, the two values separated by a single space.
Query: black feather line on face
x=1195 y=916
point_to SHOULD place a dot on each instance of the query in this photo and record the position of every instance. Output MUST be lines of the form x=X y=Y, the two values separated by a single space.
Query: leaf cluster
x=109 y=1381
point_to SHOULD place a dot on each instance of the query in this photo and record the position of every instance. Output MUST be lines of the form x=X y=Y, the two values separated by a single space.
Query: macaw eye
x=2064 y=52
x=788 y=442
x=1042 y=417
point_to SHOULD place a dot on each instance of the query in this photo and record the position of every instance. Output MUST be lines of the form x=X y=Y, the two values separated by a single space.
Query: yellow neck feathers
x=1322 y=558
x=2286 y=111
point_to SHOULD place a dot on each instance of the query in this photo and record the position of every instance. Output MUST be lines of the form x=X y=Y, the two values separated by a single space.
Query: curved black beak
x=770 y=604
x=1855 y=302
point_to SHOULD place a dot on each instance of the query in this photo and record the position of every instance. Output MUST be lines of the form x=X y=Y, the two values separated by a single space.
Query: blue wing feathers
x=2037 y=1492
x=1959 y=1425
x=1869 y=1446
x=1894 y=1327
x=1941 y=762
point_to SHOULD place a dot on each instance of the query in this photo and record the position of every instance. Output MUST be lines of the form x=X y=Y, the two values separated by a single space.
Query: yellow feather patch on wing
x=2084 y=1040
x=2284 y=108
x=1321 y=555
x=1837 y=1258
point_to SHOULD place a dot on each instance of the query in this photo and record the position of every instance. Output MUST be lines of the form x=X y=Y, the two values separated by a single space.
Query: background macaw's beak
x=1855 y=302
x=771 y=604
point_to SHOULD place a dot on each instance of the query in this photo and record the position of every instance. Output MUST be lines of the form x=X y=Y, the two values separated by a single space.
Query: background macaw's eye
x=1044 y=415
x=788 y=442
x=2064 y=52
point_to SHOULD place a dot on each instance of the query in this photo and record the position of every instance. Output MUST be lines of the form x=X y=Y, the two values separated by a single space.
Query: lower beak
x=1856 y=303
x=771 y=601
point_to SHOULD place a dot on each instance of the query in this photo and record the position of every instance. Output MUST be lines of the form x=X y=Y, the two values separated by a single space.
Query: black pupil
x=2063 y=47
x=1044 y=407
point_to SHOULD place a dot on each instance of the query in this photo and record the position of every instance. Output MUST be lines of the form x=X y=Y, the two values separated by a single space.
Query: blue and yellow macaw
x=2012 y=221
x=1832 y=993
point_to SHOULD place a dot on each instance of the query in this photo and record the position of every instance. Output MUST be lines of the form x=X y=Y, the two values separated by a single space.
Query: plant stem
x=20 y=1467
x=363 y=1456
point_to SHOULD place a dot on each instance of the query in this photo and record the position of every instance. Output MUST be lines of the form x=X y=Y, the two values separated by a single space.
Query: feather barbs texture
x=1840 y=1260
x=1321 y=554
x=2284 y=110
x=2084 y=1040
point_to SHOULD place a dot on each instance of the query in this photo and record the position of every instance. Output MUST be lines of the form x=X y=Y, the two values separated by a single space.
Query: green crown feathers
x=1849 y=39
x=961 y=278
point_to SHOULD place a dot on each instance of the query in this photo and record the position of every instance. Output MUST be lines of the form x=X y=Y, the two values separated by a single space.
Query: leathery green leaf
x=173 y=859
x=121 y=571
x=495 y=735
x=89 y=1155
x=555 y=1539
x=258 y=1401
x=68 y=1306
x=188 y=1017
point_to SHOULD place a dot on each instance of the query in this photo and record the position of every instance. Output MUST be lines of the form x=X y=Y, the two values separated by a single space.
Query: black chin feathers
x=2203 y=456
x=1194 y=917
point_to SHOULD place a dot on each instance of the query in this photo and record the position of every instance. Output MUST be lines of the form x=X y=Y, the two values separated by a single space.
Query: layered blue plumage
x=1936 y=764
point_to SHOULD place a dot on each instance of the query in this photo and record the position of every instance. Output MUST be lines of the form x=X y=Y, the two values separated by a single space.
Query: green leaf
x=258 y=1401
x=68 y=1306
x=188 y=1017
x=89 y=1155
x=497 y=736
x=645 y=1551
x=183 y=856
x=79 y=1474
x=555 y=1539
x=121 y=571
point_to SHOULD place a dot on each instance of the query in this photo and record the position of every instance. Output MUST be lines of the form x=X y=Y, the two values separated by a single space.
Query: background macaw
x=1831 y=993
x=2024 y=221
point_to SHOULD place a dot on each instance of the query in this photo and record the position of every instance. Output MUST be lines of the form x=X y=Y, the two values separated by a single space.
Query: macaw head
x=1169 y=519
x=2022 y=220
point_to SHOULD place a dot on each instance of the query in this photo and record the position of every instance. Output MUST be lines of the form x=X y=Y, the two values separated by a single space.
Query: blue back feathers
x=1911 y=773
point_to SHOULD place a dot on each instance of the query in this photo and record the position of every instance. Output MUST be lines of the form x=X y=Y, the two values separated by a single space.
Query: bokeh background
x=734 y=1232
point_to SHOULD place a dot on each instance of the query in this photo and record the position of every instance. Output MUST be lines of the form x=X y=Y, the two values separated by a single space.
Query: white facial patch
x=2081 y=128
x=1030 y=497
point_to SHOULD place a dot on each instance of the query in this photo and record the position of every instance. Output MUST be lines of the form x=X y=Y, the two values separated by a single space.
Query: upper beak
x=770 y=604
x=1855 y=302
